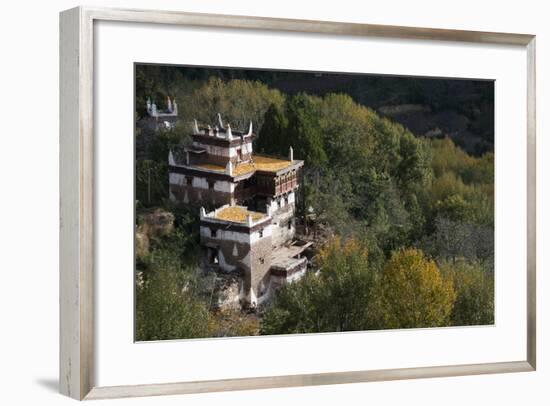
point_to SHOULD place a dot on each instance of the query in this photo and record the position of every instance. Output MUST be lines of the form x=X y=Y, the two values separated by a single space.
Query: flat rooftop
x=239 y=170
x=285 y=257
x=260 y=163
x=237 y=214
x=266 y=164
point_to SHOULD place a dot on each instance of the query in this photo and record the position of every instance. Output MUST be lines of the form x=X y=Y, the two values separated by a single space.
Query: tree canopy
x=414 y=293
x=338 y=299
x=403 y=224
x=167 y=305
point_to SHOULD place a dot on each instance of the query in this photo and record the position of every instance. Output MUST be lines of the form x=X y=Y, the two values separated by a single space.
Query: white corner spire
x=196 y=127
x=202 y=212
x=171 y=160
x=220 y=122
x=229 y=133
x=291 y=154
x=249 y=129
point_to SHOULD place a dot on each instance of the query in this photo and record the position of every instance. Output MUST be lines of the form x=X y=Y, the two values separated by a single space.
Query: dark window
x=262 y=260
x=211 y=184
x=213 y=232
x=290 y=225
x=261 y=233
x=189 y=180
x=249 y=182
x=213 y=256
x=286 y=199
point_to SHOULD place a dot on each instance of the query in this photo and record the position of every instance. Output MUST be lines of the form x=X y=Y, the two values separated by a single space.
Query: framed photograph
x=240 y=194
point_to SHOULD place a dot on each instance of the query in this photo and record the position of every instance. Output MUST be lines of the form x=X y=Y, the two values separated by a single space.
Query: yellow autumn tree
x=414 y=293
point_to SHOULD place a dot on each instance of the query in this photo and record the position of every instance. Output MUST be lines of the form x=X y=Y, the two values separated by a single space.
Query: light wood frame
x=77 y=207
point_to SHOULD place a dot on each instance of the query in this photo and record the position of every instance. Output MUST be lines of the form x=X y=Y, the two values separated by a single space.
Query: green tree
x=347 y=129
x=304 y=130
x=452 y=198
x=414 y=293
x=167 y=306
x=447 y=157
x=238 y=101
x=458 y=241
x=151 y=182
x=331 y=197
x=384 y=211
x=475 y=293
x=273 y=137
x=337 y=299
x=454 y=207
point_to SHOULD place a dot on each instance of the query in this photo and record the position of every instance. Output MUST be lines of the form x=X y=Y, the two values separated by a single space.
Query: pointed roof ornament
x=171 y=160
x=196 y=127
x=249 y=221
x=249 y=129
x=291 y=154
x=229 y=133
x=220 y=122
x=202 y=212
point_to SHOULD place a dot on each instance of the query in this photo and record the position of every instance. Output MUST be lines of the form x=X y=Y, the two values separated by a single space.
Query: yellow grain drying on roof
x=263 y=163
x=242 y=169
x=237 y=214
x=260 y=163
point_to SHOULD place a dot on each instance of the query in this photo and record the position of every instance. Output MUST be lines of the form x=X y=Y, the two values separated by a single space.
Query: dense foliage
x=167 y=306
x=405 y=224
x=463 y=108
x=414 y=293
x=339 y=298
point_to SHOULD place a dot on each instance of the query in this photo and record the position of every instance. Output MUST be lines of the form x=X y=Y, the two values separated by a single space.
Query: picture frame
x=77 y=200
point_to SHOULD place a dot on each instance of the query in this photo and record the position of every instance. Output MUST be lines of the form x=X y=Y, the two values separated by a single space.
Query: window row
x=289 y=176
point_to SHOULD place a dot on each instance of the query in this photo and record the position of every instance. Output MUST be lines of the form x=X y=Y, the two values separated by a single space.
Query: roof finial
x=196 y=127
x=291 y=154
x=171 y=160
x=249 y=129
x=229 y=133
x=220 y=122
